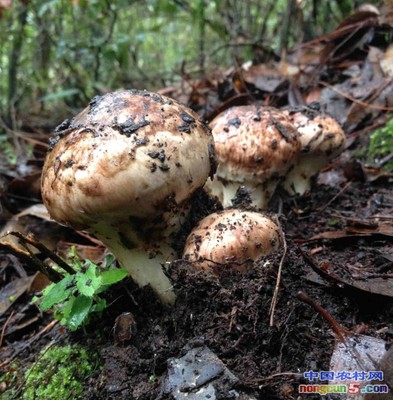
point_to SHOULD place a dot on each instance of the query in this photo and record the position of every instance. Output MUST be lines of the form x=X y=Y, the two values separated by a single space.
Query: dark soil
x=230 y=313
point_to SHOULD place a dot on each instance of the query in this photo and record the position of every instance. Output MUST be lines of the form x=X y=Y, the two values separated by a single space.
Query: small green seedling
x=75 y=297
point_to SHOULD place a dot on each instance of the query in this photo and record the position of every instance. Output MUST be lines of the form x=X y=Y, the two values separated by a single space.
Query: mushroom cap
x=254 y=143
x=319 y=133
x=129 y=154
x=234 y=238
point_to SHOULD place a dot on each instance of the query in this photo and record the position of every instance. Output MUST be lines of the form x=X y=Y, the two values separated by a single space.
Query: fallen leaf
x=359 y=353
x=381 y=284
x=13 y=290
x=360 y=229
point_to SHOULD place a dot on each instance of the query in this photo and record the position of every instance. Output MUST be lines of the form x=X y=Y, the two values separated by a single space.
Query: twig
x=339 y=32
x=28 y=259
x=27 y=136
x=30 y=239
x=323 y=208
x=337 y=328
x=358 y=102
x=29 y=342
x=331 y=278
x=384 y=160
x=381 y=121
x=341 y=332
x=5 y=327
x=278 y=280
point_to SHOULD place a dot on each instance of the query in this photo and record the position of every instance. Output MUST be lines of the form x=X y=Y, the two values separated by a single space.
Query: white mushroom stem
x=226 y=192
x=143 y=267
x=298 y=180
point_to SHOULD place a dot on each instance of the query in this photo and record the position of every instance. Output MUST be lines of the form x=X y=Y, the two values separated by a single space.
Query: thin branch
x=5 y=328
x=30 y=239
x=358 y=102
x=324 y=207
x=341 y=332
x=278 y=280
x=28 y=259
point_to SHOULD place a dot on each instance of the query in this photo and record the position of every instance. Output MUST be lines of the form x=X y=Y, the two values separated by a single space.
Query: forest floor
x=336 y=278
x=230 y=314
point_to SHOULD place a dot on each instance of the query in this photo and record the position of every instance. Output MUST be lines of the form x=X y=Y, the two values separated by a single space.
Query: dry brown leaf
x=362 y=228
x=13 y=290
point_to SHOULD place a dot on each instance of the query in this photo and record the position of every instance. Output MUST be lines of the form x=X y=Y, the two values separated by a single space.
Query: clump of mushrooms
x=255 y=147
x=125 y=169
x=322 y=139
x=232 y=239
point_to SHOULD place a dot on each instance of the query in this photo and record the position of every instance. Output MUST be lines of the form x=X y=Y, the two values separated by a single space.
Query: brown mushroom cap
x=255 y=147
x=322 y=139
x=128 y=154
x=125 y=169
x=319 y=133
x=232 y=238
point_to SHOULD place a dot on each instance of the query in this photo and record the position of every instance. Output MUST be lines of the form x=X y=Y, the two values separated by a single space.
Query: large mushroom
x=322 y=139
x=232 y=239
x=125 y=169
x=255 y=148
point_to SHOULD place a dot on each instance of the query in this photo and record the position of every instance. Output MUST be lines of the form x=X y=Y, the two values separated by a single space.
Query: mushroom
x=255 y=147
x=322 y=140
x=125 y=169
x=232 y=238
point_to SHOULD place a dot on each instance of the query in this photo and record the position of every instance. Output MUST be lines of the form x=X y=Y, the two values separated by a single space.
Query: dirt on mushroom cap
x=131 y=150
x=231 y=239
x=319 y=133
x=254 y=142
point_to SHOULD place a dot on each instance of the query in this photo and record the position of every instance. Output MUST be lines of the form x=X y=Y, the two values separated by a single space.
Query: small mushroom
x=125 y=169
x=255 y=147
x=233 y=239
x=322 y=140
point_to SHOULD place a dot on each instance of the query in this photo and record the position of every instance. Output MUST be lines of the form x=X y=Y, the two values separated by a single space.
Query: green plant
x=381 y=142
x=59 y=373
x=10 y=378
x=77 y=296
x=61 y=53
x=8 y=150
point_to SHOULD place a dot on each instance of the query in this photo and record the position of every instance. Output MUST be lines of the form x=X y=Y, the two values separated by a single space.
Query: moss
x=9 y=381
x=59 y=373
x=381 y=142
